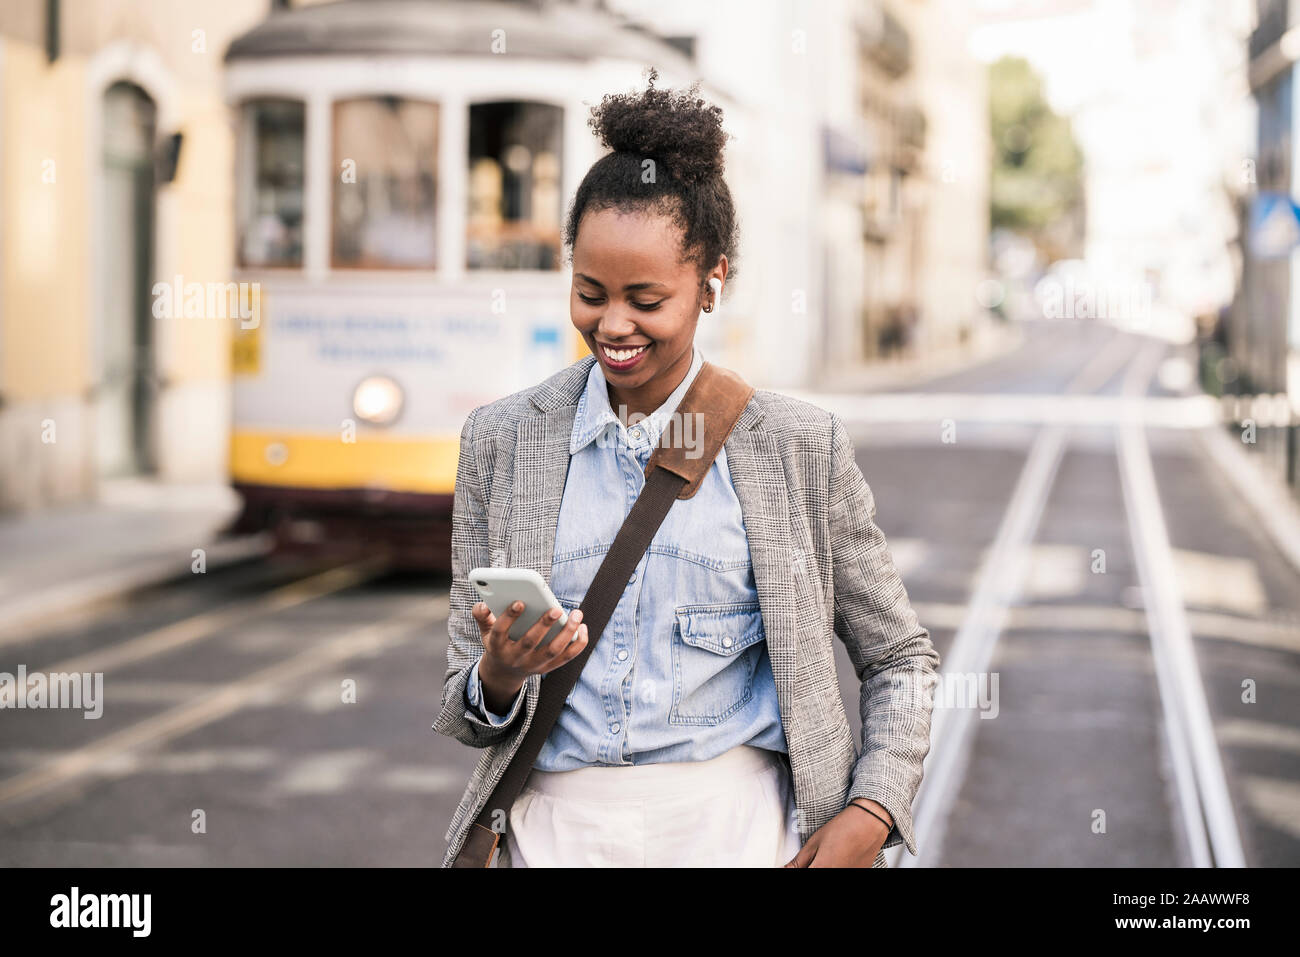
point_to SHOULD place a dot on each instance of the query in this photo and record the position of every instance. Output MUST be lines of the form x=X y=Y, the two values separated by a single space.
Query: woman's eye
x=589 y=300
x=647 y=306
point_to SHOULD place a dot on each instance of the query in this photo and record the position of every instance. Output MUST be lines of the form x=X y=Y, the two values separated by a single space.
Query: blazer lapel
x=541 y=466
x=758 y=475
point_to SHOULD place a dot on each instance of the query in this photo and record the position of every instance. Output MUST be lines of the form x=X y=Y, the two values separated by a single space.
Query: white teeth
x=622 y=355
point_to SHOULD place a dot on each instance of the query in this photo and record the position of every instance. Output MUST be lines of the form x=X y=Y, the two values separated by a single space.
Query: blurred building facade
x=951 y=87
x=873 y=115
x=859 y=163
x=92 y=212
x=1156 y=94
x=1263 y=334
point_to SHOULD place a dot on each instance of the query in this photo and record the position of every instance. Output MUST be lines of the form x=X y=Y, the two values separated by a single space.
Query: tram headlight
x=377 y=400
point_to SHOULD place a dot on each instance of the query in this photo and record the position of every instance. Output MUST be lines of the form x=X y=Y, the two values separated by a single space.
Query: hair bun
x=675 y=127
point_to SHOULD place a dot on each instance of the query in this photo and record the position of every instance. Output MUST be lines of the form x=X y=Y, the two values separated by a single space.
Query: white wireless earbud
x=716 y=285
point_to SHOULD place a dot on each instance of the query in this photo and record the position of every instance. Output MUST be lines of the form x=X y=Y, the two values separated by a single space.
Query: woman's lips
x=625 y=364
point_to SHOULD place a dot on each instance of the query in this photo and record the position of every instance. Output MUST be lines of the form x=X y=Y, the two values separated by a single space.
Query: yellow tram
x=400 y=179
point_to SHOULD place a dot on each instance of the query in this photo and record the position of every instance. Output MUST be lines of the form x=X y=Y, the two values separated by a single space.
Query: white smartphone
x=502 y=587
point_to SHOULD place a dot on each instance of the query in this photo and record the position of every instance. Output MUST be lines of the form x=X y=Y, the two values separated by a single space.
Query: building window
x=385 y=183
x=271 y=183
x=514 y=186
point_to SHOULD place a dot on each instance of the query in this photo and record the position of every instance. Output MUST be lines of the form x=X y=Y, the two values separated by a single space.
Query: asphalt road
x=1120 y=677
x=1096 y=749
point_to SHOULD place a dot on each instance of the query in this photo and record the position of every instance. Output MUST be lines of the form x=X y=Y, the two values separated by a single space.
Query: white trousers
x=736 y=810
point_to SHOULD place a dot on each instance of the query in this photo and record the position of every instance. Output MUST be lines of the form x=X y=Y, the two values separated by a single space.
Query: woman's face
x=632 y=291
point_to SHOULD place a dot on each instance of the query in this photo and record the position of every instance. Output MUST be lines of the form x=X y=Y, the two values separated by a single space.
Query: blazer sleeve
x=890 y=650
x=469 y=549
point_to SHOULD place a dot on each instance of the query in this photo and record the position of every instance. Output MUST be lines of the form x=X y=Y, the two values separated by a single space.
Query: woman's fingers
x=520 y=650
x=561 y=647
x=575 y=647
x=526 y=654
x=806 y=854
x=484 y=617
x=571 y=650
x=528 y=641
x=497 y=638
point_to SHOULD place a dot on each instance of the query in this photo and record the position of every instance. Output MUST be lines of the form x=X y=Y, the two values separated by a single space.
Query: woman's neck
x=644 y=399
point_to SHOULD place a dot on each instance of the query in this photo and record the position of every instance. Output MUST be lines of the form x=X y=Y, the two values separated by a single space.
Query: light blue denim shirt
x=681 y=672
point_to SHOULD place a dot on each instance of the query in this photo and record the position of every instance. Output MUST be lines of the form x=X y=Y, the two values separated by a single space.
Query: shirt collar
x=595 y=416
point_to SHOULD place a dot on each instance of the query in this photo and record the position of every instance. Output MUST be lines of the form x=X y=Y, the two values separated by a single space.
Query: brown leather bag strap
x=701 y=424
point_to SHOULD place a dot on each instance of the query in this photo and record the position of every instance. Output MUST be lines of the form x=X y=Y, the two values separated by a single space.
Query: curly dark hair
x=682 y=134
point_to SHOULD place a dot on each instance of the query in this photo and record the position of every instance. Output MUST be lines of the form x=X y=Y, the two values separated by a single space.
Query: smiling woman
x=706 y=726
x=651 y=225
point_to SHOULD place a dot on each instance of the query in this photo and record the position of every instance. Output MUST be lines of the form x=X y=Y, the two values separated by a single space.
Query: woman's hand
x=851 y=838
x=507 y=662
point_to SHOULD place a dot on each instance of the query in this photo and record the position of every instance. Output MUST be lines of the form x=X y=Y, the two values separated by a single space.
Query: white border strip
x=997 y=587
x=972 y=648
x=1202 y=787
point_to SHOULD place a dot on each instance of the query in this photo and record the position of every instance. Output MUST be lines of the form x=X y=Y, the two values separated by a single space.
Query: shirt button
x=726 y=642
x=636 y=433
x=622 y=654
x=614 y=727
x=632 y=579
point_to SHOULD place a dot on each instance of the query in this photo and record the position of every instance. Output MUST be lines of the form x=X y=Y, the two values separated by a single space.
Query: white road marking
x=206 y=624
x=157 y=692
x=971 y=652
x=1180 y=412
x=1205 y=803
x=1281 y=636
x=196 y=761
x=304 y=774
x=76 y=764
x=1219 y=581
x=105 y=854
x=419 y=779
x=325 y=772
x=1205 y=580
x=1276 y=801
x=1056 y=571
x=997 y=587
x=1261 y=734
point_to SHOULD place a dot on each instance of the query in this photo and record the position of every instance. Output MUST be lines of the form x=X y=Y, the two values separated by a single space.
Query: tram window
x=271 y=183
x=514 y=186
x=385 y=172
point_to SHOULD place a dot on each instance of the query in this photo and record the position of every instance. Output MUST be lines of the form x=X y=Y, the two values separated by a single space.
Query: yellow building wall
x=45 y=351
x=203 y=196
x=49 y=320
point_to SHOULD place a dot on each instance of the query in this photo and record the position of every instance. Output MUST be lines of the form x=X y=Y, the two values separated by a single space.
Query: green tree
x=1037 y=185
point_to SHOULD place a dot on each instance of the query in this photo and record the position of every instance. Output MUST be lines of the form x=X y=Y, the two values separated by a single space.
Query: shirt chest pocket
x=715 y=653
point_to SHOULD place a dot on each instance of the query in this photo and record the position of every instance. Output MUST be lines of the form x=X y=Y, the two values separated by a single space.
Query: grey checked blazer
x=821 y=567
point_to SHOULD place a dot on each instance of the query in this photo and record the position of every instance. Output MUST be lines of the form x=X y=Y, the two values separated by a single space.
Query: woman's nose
x=618 y=322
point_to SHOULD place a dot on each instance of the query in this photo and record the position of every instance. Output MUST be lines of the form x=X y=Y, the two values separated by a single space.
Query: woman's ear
x=717 y=276
x=712 y=297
